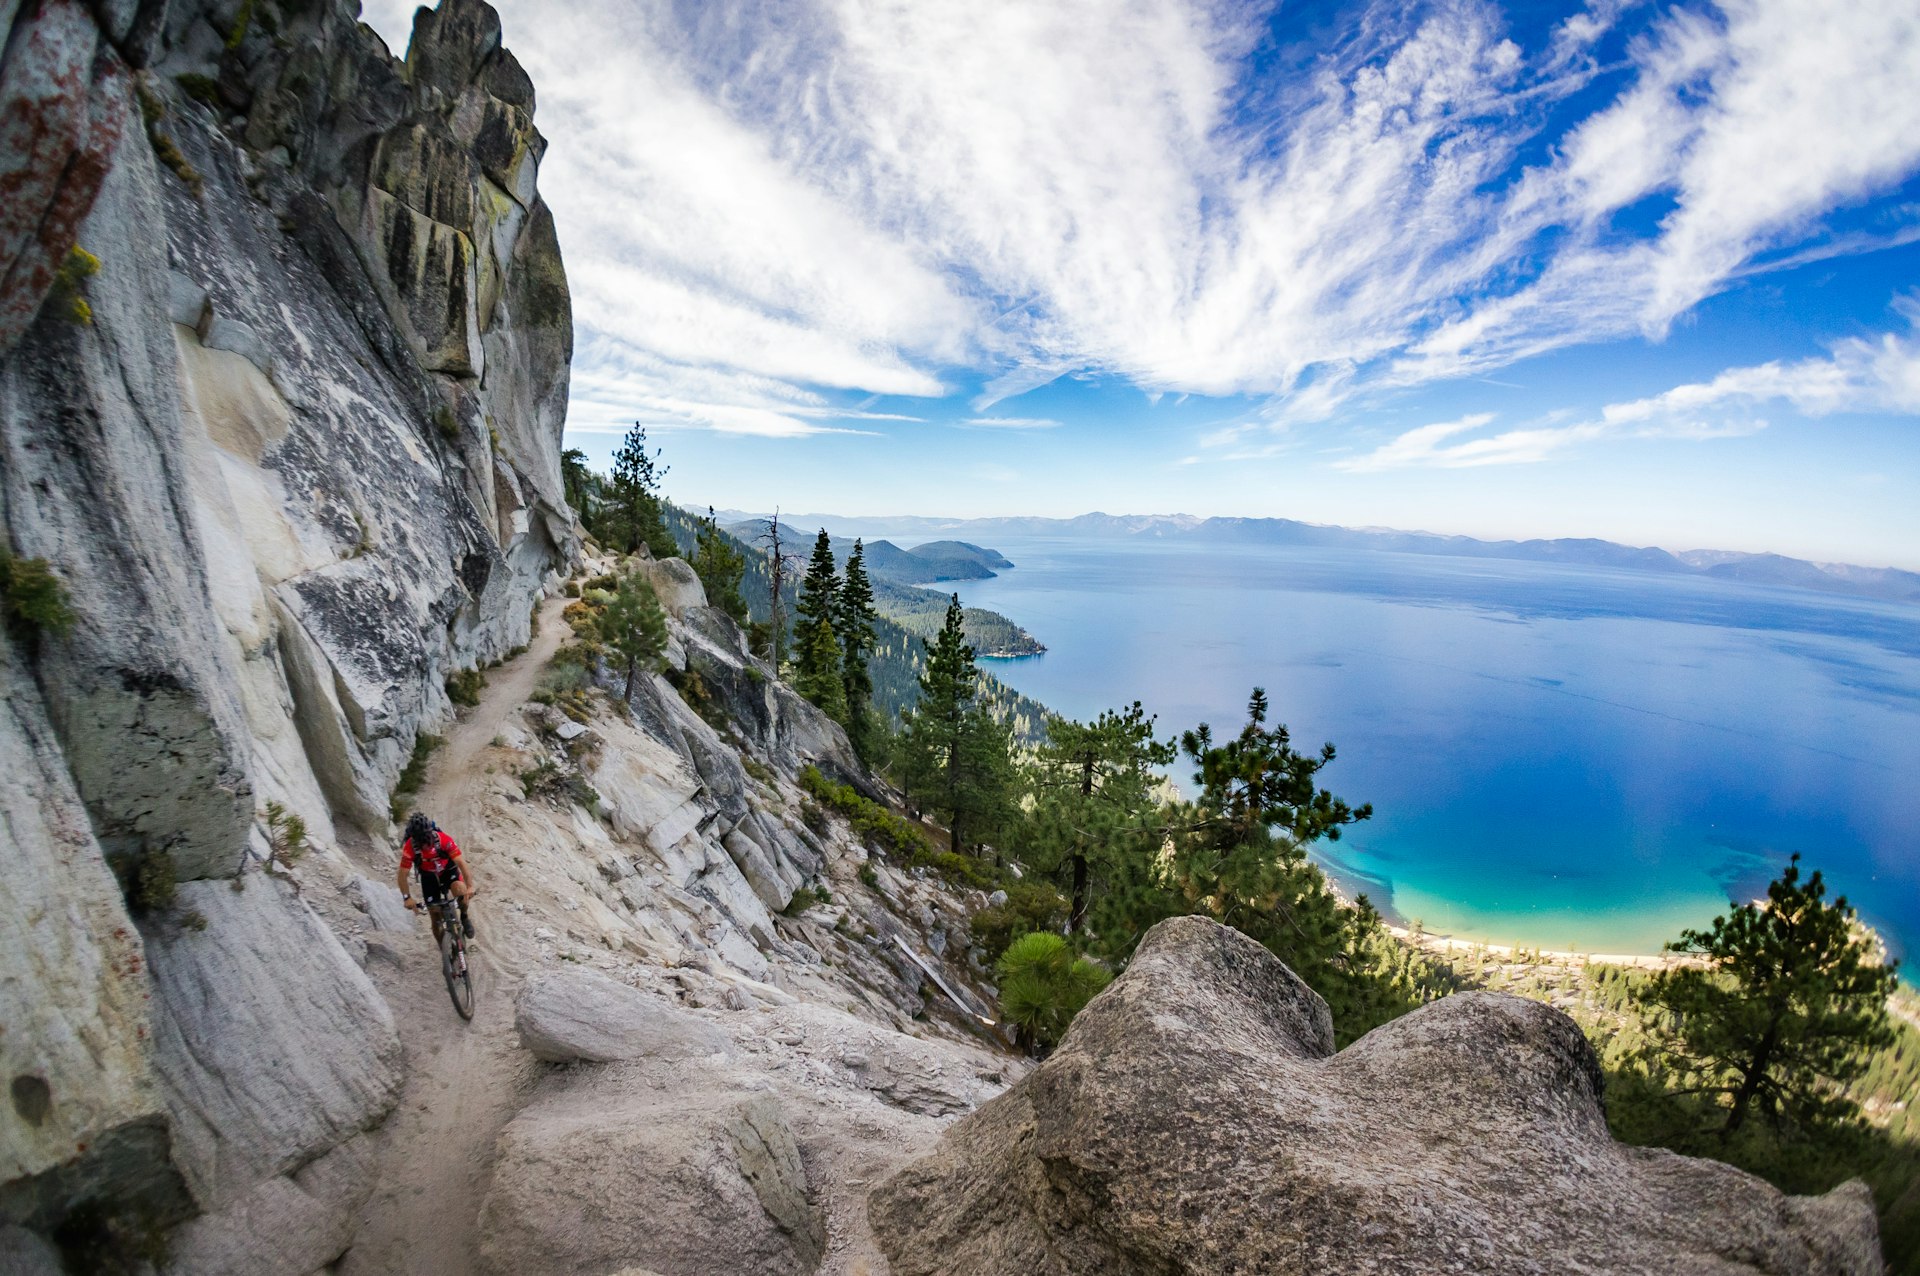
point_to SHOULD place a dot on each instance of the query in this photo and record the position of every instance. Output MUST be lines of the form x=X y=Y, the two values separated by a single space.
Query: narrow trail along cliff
x=464 y=1081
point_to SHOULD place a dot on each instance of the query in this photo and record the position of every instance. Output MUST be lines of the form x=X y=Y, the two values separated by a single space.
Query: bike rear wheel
x=458 y=971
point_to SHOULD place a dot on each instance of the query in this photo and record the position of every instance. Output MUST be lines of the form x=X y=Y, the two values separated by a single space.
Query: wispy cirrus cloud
x=1011 y=423
x=1879 y=374
x=767 y=208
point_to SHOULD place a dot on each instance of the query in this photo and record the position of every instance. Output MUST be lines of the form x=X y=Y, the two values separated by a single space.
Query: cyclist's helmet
x=420 y=830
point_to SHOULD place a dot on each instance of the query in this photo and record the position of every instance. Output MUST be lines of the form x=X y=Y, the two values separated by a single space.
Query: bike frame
x=444 y=914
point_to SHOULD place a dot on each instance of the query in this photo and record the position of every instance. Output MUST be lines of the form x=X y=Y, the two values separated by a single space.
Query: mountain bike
x=444 y=913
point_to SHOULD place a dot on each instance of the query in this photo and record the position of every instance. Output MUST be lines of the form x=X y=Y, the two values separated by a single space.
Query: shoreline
x=1341 y=882
x=1449 y=945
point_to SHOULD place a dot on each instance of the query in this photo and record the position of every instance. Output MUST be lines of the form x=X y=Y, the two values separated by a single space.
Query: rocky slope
x=1197 y=1120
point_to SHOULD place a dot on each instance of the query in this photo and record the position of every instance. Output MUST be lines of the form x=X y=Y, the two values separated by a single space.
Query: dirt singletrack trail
x=464 y=1081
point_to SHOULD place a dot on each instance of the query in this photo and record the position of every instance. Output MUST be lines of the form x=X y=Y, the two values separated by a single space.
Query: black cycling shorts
x=434 y=885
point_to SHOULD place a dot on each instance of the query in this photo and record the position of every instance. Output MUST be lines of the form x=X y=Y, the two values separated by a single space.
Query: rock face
x=284 y=336
x=1195 y=1120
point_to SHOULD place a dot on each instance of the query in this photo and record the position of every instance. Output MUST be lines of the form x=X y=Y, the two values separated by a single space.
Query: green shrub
x=896 y=834
x=549 y=780
x=804 y=898
x=869 y=876
x=566 y=685
x=151 y=883
x=34 y=599
x=153 y=107
x=1031 y=906
x=869 y=819
x=241 y=23
x=412 y=776
x=169 y=153
x=76 y=268
x=201 y=88
x=699 y=697
x=465 y=685
x=286 y=835
x=1043 y=985
x=446 y=422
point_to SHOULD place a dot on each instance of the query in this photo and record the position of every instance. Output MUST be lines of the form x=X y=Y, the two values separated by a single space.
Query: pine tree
x=817 y=673
x=633 y=626
x=1043 y=985
x=637 y=475
x=1093 y=800
x=721 y=568
x=854 y=623
x=1790 y=1010
x=954 y=755
x=1238 y=854
x=574 y=480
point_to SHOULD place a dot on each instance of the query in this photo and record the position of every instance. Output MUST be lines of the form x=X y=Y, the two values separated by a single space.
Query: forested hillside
x=908 y=615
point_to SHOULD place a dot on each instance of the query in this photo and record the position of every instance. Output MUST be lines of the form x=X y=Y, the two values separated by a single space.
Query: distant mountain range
x=923 y=564
x=1885 y=583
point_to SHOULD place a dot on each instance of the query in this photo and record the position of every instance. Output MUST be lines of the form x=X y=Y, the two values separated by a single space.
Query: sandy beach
x=1452 y=946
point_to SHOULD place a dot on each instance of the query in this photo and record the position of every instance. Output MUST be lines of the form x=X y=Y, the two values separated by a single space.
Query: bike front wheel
x=458 y=971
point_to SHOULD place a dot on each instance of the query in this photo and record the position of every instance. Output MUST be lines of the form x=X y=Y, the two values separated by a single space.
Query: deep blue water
x=1557 y=756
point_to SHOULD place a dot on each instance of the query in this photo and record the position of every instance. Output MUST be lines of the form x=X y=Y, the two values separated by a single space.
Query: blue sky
x=1642 y=271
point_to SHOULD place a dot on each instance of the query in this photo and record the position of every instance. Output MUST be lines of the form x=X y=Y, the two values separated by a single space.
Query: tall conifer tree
x=637 y=475
x=854 y=623
x=721 y=568
x=817 y=655
x=1790 y=1011
x=1094 y=811
x=634 y=627
x=955 y=756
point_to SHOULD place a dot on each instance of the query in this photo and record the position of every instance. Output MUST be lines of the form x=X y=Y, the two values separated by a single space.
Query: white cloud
x=1012 y=423
x=1754 y=120
x=761 y=205
x=1881 y=374
x=1859 y=375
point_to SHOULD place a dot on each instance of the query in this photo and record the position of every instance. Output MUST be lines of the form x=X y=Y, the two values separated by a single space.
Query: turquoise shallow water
x=1563 y=757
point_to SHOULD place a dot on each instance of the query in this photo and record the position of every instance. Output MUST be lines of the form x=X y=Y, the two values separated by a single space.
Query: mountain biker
x=441 y=867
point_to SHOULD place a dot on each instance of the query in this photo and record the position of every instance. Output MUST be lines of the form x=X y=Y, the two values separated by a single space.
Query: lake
x=1559 y=757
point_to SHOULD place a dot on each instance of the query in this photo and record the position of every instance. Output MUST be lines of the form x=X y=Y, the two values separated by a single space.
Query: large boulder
x=583 y=1016
x=666 y=1169
x=1196 y=1120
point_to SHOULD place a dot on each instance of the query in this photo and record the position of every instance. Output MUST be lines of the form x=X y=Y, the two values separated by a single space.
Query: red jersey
x=432 y=859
